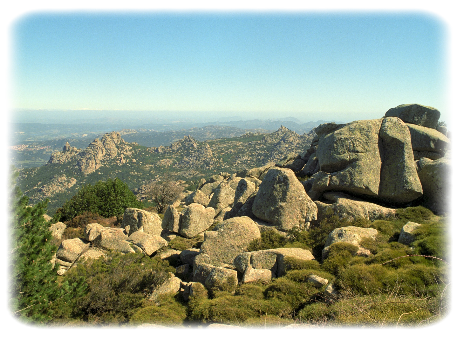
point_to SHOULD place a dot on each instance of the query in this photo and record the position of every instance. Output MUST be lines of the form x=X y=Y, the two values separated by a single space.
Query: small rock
x=317 y=281
x=406 y=234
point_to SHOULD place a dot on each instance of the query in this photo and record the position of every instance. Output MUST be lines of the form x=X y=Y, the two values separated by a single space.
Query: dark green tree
x=27 y=279
x=108 y=198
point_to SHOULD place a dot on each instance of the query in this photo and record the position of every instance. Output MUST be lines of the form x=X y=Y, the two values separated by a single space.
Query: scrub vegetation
x=396 y=285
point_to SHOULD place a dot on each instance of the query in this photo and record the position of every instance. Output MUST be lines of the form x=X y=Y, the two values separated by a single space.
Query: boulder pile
x=359 y=170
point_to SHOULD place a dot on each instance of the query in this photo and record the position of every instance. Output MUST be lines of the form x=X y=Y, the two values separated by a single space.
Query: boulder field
x=363 y=169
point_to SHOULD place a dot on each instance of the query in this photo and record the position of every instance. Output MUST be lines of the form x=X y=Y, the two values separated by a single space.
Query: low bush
x=431 y=240
x=318 y=312
x=117 y=285
x=269 y=239
x=168 y=311
x=181 y=243
x=380 y=310
x=291 y=292
x=292 y=263
x=418 y=214
x=340 y=253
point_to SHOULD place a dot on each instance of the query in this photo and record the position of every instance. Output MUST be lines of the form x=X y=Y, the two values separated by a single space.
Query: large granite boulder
x=350 y=234
x=349 y=159
x=416 y=114
x=170 y=286
x=427 y=142
x=113 y=239
x=154 y=330
x=223 y=330
x=70 y=250
x=93 y=231
x=171 y=220
x=399 y=182
x=214 y=277
x=270 y=259
x=222 y=197
x=371 y=158
x=282 y=201
x=138 y=219
x=148 y=242
x=197 y=197
x=57 y=230
x=229 y=238
x=195 y=219
x=347 y=207
x=434 y=175
x=244 y=190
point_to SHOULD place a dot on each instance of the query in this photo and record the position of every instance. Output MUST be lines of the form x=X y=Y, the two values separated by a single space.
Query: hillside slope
x=186 y=159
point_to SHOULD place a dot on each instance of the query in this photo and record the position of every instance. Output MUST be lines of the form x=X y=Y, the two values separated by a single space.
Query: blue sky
x=340 y=66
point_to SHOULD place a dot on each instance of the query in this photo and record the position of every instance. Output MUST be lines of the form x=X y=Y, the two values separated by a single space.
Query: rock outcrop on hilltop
x=64 y=156
x=110 y=147
x=359 y=170
x=372 y=158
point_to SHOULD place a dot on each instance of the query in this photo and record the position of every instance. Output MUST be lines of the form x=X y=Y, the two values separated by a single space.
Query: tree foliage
x=162 y=194
x=106 y=198
x=34 y=287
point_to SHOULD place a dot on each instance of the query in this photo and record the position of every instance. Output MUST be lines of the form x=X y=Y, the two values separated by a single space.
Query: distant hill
x=186 y=159
x=33 y=143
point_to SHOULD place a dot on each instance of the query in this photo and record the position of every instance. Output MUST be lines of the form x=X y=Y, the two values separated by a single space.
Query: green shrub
x=238 y=308
x=418 y=214
x=431 y=240
x=289 y=291
x=107 y=199
x=269 y=239
x=181 y=243
x=360 y=279
x=340 y=253
x=117 y=285
x=317 y=312
x=168 y=311
x=380 y=310
x=292 y=263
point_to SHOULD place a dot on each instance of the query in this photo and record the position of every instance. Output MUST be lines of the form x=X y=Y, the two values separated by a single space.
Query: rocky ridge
x=359 y=170
x=184 y=160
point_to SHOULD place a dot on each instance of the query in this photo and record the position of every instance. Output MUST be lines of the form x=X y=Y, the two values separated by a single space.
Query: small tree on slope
x=27 y=280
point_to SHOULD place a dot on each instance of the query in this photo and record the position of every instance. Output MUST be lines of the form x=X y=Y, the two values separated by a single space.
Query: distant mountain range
x=187 y=159
x=33 y=143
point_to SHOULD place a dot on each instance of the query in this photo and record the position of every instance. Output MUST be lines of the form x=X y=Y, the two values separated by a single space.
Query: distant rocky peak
x=64 y=156
x=283 y=129
x=186 y=142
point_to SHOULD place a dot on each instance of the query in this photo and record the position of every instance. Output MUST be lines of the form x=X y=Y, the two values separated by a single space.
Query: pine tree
x=27 y=279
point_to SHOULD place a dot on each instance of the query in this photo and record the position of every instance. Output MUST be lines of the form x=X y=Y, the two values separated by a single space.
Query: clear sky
x=307 y=65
